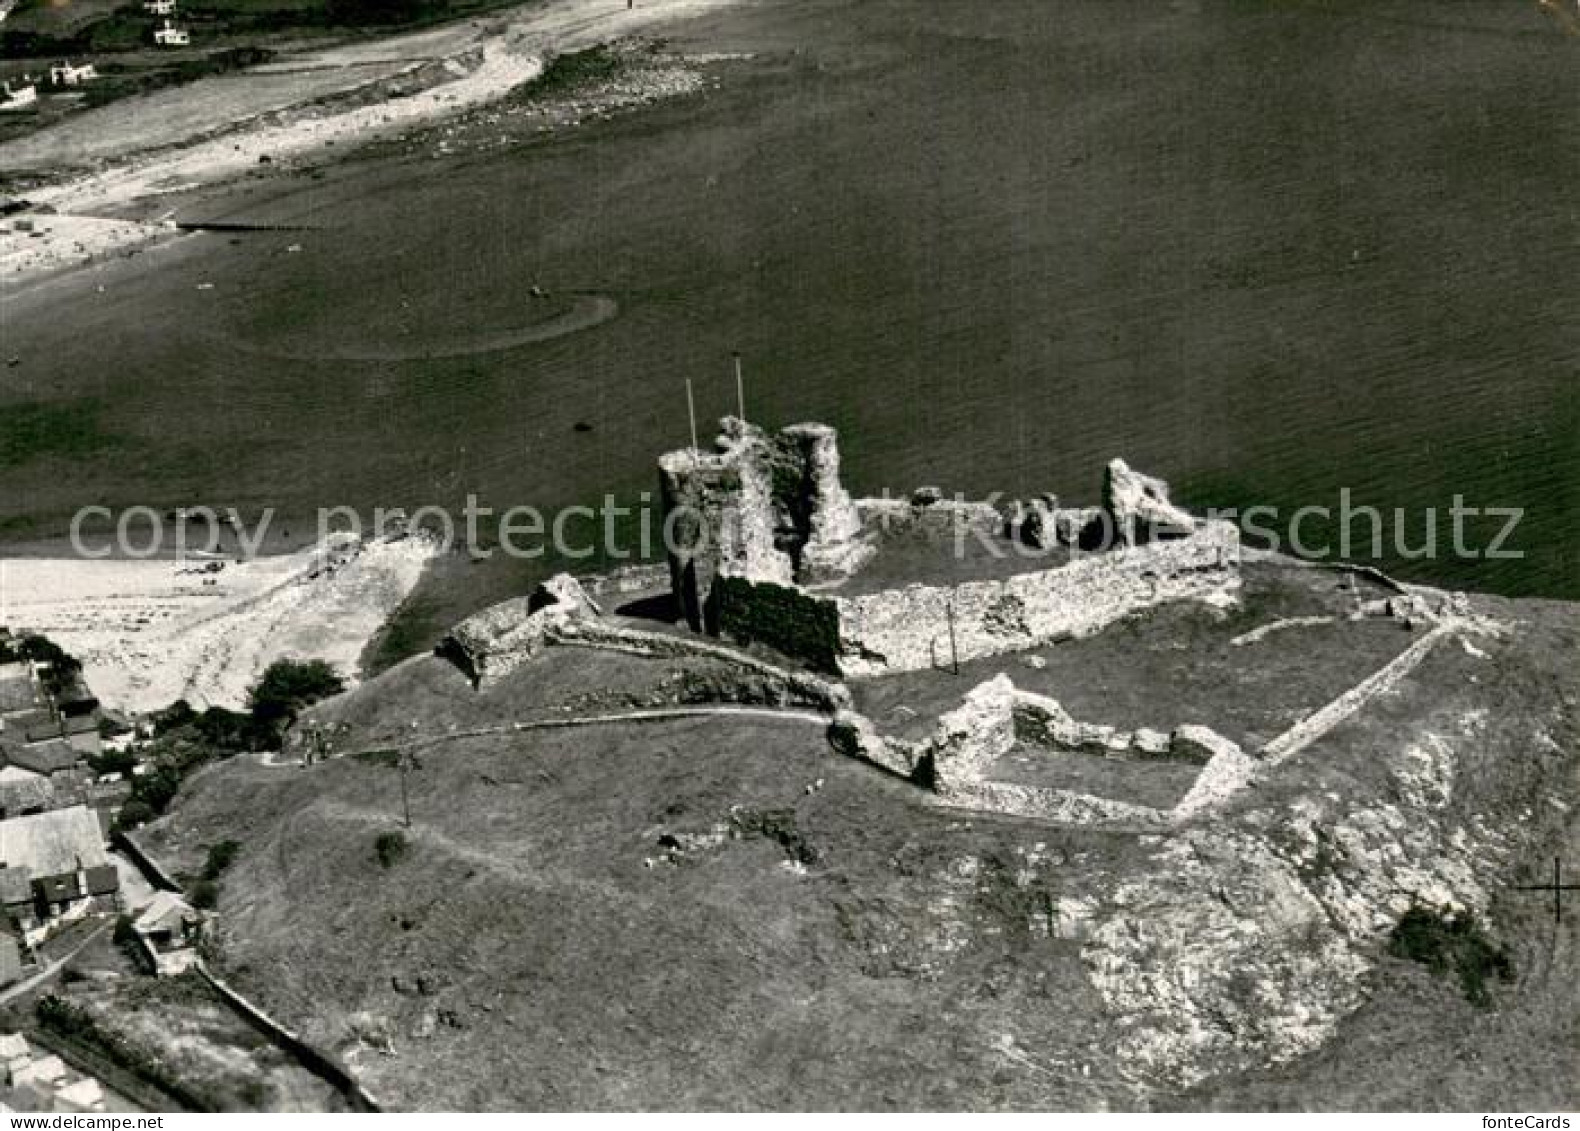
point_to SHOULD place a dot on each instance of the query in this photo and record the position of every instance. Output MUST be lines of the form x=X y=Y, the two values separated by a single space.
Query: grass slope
x=676 y=915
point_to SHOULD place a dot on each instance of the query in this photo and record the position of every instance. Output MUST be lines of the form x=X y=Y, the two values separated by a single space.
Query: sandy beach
x=149 y=632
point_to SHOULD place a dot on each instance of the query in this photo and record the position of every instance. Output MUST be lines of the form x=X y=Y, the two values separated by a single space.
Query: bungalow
x=64 y=74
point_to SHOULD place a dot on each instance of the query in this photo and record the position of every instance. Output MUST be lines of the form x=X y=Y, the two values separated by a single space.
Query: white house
x=18 y=97
x=160 y=7
x=64 y=74
x=171 y=36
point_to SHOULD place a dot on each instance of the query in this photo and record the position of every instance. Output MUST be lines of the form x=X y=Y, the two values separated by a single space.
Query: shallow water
x=1266 y=250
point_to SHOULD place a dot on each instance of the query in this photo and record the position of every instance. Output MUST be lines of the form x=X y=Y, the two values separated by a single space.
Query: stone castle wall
x=995 y=717
x=909 y=629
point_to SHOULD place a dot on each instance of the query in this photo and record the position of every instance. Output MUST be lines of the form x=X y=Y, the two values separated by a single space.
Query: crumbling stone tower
x=764 y=507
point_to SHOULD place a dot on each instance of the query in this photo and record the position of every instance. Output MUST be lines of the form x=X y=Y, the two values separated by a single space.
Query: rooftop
x=49 y=844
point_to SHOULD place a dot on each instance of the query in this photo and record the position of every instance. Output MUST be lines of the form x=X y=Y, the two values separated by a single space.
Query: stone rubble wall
x=1058 y=806
x=908 y=629
x=996 y=716
x=491 y=644
x=799 y=686
x=1380 y=682
x=787 y=618
x=855 y=736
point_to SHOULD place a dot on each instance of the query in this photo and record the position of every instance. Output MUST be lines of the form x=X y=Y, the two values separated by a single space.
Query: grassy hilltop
x=722 y=912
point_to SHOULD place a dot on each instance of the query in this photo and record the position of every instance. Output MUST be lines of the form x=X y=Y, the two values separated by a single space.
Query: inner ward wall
x=908 y=629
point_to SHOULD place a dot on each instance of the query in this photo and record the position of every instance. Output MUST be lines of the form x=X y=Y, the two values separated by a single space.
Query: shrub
x=1452 y=941
x=135 y=812
x=220 y=857
x=391 y=848
x=204 y=894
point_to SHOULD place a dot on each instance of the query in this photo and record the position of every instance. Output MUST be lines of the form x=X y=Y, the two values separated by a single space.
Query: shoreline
x=511 y=50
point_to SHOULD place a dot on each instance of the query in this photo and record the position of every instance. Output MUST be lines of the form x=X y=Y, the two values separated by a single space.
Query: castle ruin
x=766 y=545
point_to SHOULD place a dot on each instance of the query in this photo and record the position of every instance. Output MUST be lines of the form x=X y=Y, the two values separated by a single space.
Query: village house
x=23 y=793
x=168 y=35
x=43 y=1083
x=64 y=73
x=62 y=853
x=51 y=756
x=160 y=7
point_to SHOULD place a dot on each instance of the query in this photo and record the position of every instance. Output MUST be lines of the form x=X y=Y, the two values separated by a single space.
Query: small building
x=16 y=891
x=64 y=74
x=160 y=7
x=74 y=700
x=40 y=1070
x=168 y=35
x=168 y=929
x=21 y=97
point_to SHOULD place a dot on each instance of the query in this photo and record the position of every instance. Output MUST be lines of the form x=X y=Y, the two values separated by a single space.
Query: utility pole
x=405 y=794
x=954 y=648
x=740 y=389
x=691 y=411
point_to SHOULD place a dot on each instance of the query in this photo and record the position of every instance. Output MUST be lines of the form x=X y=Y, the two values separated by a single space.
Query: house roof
x=16 y=688
x=80 y=724
x=165 y=911
x=42 y=729
x=17 y=796
x=16 y=886
x=44 y=757
x=13 y=1045
x=53 y=843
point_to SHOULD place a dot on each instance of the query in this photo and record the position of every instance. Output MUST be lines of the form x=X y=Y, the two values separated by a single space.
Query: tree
x=289 y=685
